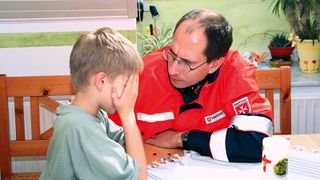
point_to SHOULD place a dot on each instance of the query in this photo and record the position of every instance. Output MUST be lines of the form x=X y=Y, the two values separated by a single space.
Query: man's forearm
x=198 y=141
x=235 y=146
x=241 y=142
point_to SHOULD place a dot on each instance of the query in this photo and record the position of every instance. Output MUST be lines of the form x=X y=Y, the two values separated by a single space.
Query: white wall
x=53 y=60
x=34 y=61
x=48 y=16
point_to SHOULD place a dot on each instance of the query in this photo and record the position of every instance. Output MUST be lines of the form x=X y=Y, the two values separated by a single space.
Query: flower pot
x=309 y=56
x=281 y=56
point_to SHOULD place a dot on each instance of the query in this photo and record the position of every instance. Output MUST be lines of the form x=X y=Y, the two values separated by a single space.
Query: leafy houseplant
x=304 y=18
x=280 y=40
x=153 y=42
x=280 y=49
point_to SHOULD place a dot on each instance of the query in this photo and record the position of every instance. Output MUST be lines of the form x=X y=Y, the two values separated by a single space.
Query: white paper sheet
x=196 y=167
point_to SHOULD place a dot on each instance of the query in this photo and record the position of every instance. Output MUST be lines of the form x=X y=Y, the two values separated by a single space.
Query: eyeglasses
x=183 y=64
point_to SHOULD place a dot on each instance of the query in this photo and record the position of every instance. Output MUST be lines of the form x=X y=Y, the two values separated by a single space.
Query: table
x=311 y=142
x=154 y=153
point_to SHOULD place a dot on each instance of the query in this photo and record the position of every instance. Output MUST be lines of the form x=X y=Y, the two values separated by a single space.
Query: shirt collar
x=191 y=93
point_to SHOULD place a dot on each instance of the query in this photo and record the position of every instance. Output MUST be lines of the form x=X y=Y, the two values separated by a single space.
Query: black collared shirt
x=191 y=93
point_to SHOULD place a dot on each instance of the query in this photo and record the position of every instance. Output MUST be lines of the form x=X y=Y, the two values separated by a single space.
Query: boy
x=104 y=68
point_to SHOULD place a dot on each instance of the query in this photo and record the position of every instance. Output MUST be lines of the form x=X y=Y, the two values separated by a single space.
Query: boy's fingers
x=130 y=81
x=114 y=95
x=130 y=84
x=136 y=81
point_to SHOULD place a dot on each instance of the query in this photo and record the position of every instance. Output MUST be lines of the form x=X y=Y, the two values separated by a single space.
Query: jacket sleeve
x=241 y=142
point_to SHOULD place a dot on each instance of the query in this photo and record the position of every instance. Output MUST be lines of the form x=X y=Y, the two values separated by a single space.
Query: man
x=200 y=95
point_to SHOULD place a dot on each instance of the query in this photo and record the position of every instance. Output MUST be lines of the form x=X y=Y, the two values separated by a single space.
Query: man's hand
x=166 y=139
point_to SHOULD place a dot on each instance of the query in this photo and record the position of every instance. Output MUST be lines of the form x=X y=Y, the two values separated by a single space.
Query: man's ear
x=214 y=65
x=100 y=79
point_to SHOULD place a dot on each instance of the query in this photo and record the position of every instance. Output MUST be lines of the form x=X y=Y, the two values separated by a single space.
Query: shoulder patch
x=242 y=106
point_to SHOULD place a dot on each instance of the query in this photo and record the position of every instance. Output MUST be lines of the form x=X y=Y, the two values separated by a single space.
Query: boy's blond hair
x=104 y=50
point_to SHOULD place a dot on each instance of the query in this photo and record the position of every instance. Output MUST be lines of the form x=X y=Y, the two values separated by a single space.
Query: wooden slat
x=50 y=104
x=19 y=117
x=29 y=148
x=268 y=78
x=39 y=86
x=5 y=160
x=47 y=134
x=269 y=93
x=3 y=177
x=35 y=117
x=25 y=176
x=285 y=101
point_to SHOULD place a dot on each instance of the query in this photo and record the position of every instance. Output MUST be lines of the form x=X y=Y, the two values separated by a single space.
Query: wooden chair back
x=38 y=91
x=270 y=80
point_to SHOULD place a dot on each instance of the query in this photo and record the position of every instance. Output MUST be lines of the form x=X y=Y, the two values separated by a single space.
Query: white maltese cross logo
x=242 y=106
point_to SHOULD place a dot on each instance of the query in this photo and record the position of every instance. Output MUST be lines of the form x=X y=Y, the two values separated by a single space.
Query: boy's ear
x=99 y=80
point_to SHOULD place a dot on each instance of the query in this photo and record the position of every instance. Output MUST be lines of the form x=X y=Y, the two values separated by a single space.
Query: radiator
x=304 y=120
x=305 y=114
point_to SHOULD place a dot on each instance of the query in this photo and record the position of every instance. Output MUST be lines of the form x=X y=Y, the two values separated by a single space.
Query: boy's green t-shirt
x=87 y=147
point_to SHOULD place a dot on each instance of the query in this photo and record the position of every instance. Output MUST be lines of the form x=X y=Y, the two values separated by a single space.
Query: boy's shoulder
x=73 y=117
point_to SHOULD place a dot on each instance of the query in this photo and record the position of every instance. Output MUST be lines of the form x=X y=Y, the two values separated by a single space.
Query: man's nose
x=173 y=68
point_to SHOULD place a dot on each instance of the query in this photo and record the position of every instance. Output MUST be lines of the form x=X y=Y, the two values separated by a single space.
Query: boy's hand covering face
x=124 y=103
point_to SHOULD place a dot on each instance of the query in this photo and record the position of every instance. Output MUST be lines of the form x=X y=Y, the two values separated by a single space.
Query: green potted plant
x=304 y=18
x=153 y=42
x=280 y=49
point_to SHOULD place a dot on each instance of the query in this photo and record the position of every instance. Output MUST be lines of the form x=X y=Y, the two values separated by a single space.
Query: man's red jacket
x=233 y=93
